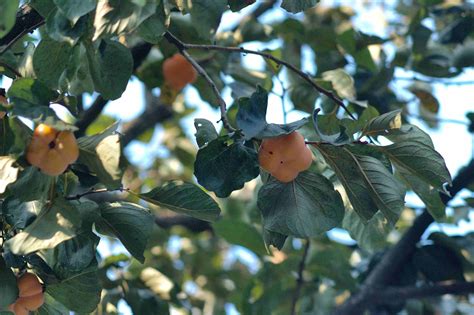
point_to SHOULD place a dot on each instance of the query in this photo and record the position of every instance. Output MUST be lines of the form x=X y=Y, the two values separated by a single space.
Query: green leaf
x=101 y=154
x=110 y=66
x=8 y=173
x=295 y=6
x=303 y=95
x=56 y=223
x=153 y=28
x=222 y=168
x=305 y=207
x=143 y=301
x=237 y=5
x=251 y=118
x=8 y=287
x=30 y=92
x=427 y=193
x=419 y=159
x=331 y=121
x=205 y=131
x=50 y=60
x=370 y=235
x=51 y=307
x=206 y=16
x=367 y=182
x=274 y=239
x=21 y=214
x=463 y=55
x=130 y=223
x=76 y=254
x=75 y=9
x=240 y=233
x=77 y=79
x=79 y=292
x=184 y=198
x=117 y=17
x=60 y=28
x=7 y=15
x=32 y=184
x=342 y=83
x=383 y=124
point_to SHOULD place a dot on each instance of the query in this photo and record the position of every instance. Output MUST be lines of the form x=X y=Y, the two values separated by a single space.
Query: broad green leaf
x=274 y=239
x=295 y=6
x=21 y=214
x=206 y=15
x=367 y=182
x=305 y=207
x=61 y=29
x=101 y=154
x=205 y=131
x=8 y=173
x=50 y=60
x=153 y=28
x=77 y=78
x=130 y=223
x=303 y=95
x=51 y=307
x=56 y=223
x=222 y=168
x=184 y=198
x=76 y=254
x=143 y=301
x=419 y=159
x=383 y=124
x=427 y=193
x=240 y=233
x=370 y=235
x=251 y=118
x=32 y=184
x=7 y=15
x=79 y=292
x=117 y=17
x=342 y=83
x=75 y=9
x=8 y=287
x=237 y=5
x=110 y=66
x=330 y=122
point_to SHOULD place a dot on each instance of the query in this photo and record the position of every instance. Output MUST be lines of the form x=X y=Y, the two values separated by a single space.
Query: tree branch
x=279 y=61
x=299 y=279
x=27 y=20
x=222 y=105
x=394 y=295
x=396 y=256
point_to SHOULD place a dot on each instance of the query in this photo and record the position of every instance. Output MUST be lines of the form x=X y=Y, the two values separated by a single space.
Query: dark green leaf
x=370 y=235
x=32 y=184
x=438 y=263
x=222 y=168
x=184 y=198
x=240 y=233
x=206 y=16
x=383 y=124
x=51 y=307
x=130 y=223
x=143 y=301
x=237 y=5
x=305 y=207
x=295 y=6
x=60 y=28
x=76 y=254
x=8 y=287
x=21 y=214
x=274 y=239
x=7 y=15
x=75 y=9
x=110 y=66
x=56 y=223
x=205 y=131
x=153 y=28
x=331 y=121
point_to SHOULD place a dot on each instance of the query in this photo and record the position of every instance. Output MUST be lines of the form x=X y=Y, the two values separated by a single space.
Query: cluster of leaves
x=363 y=166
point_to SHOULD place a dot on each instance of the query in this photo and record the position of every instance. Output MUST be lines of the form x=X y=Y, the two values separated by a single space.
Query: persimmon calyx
x=51 y=150
x=285 y=157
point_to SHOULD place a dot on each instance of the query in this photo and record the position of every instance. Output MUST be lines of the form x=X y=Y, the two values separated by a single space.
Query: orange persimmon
x=51 y=150
x=285 y=157
x=30 y=296
x=178 y=72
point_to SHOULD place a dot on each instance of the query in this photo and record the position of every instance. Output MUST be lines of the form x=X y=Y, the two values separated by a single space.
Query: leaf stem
x=299 y=279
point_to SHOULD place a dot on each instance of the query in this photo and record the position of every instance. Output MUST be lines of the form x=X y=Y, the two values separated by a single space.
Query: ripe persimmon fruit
x=178 y=72
x=285 y=157
x=51 y=150
x=30 y=296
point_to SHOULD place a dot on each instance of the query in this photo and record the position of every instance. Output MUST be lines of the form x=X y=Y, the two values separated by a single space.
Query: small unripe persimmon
x=178 y=72
x=31 y=295
x=51 y=150
x=285 y=157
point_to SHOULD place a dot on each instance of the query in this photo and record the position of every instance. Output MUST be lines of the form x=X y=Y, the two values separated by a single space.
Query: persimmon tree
x=276 y=192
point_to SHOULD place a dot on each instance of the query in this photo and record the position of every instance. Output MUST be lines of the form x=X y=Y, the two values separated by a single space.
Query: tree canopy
x=243 y=215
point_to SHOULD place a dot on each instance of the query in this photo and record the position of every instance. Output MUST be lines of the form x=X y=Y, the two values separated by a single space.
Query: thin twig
x=8 y=67
x=279 y=61
x=95 y=191
x=222 y=104
x=299 y=279
x=434 y=81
